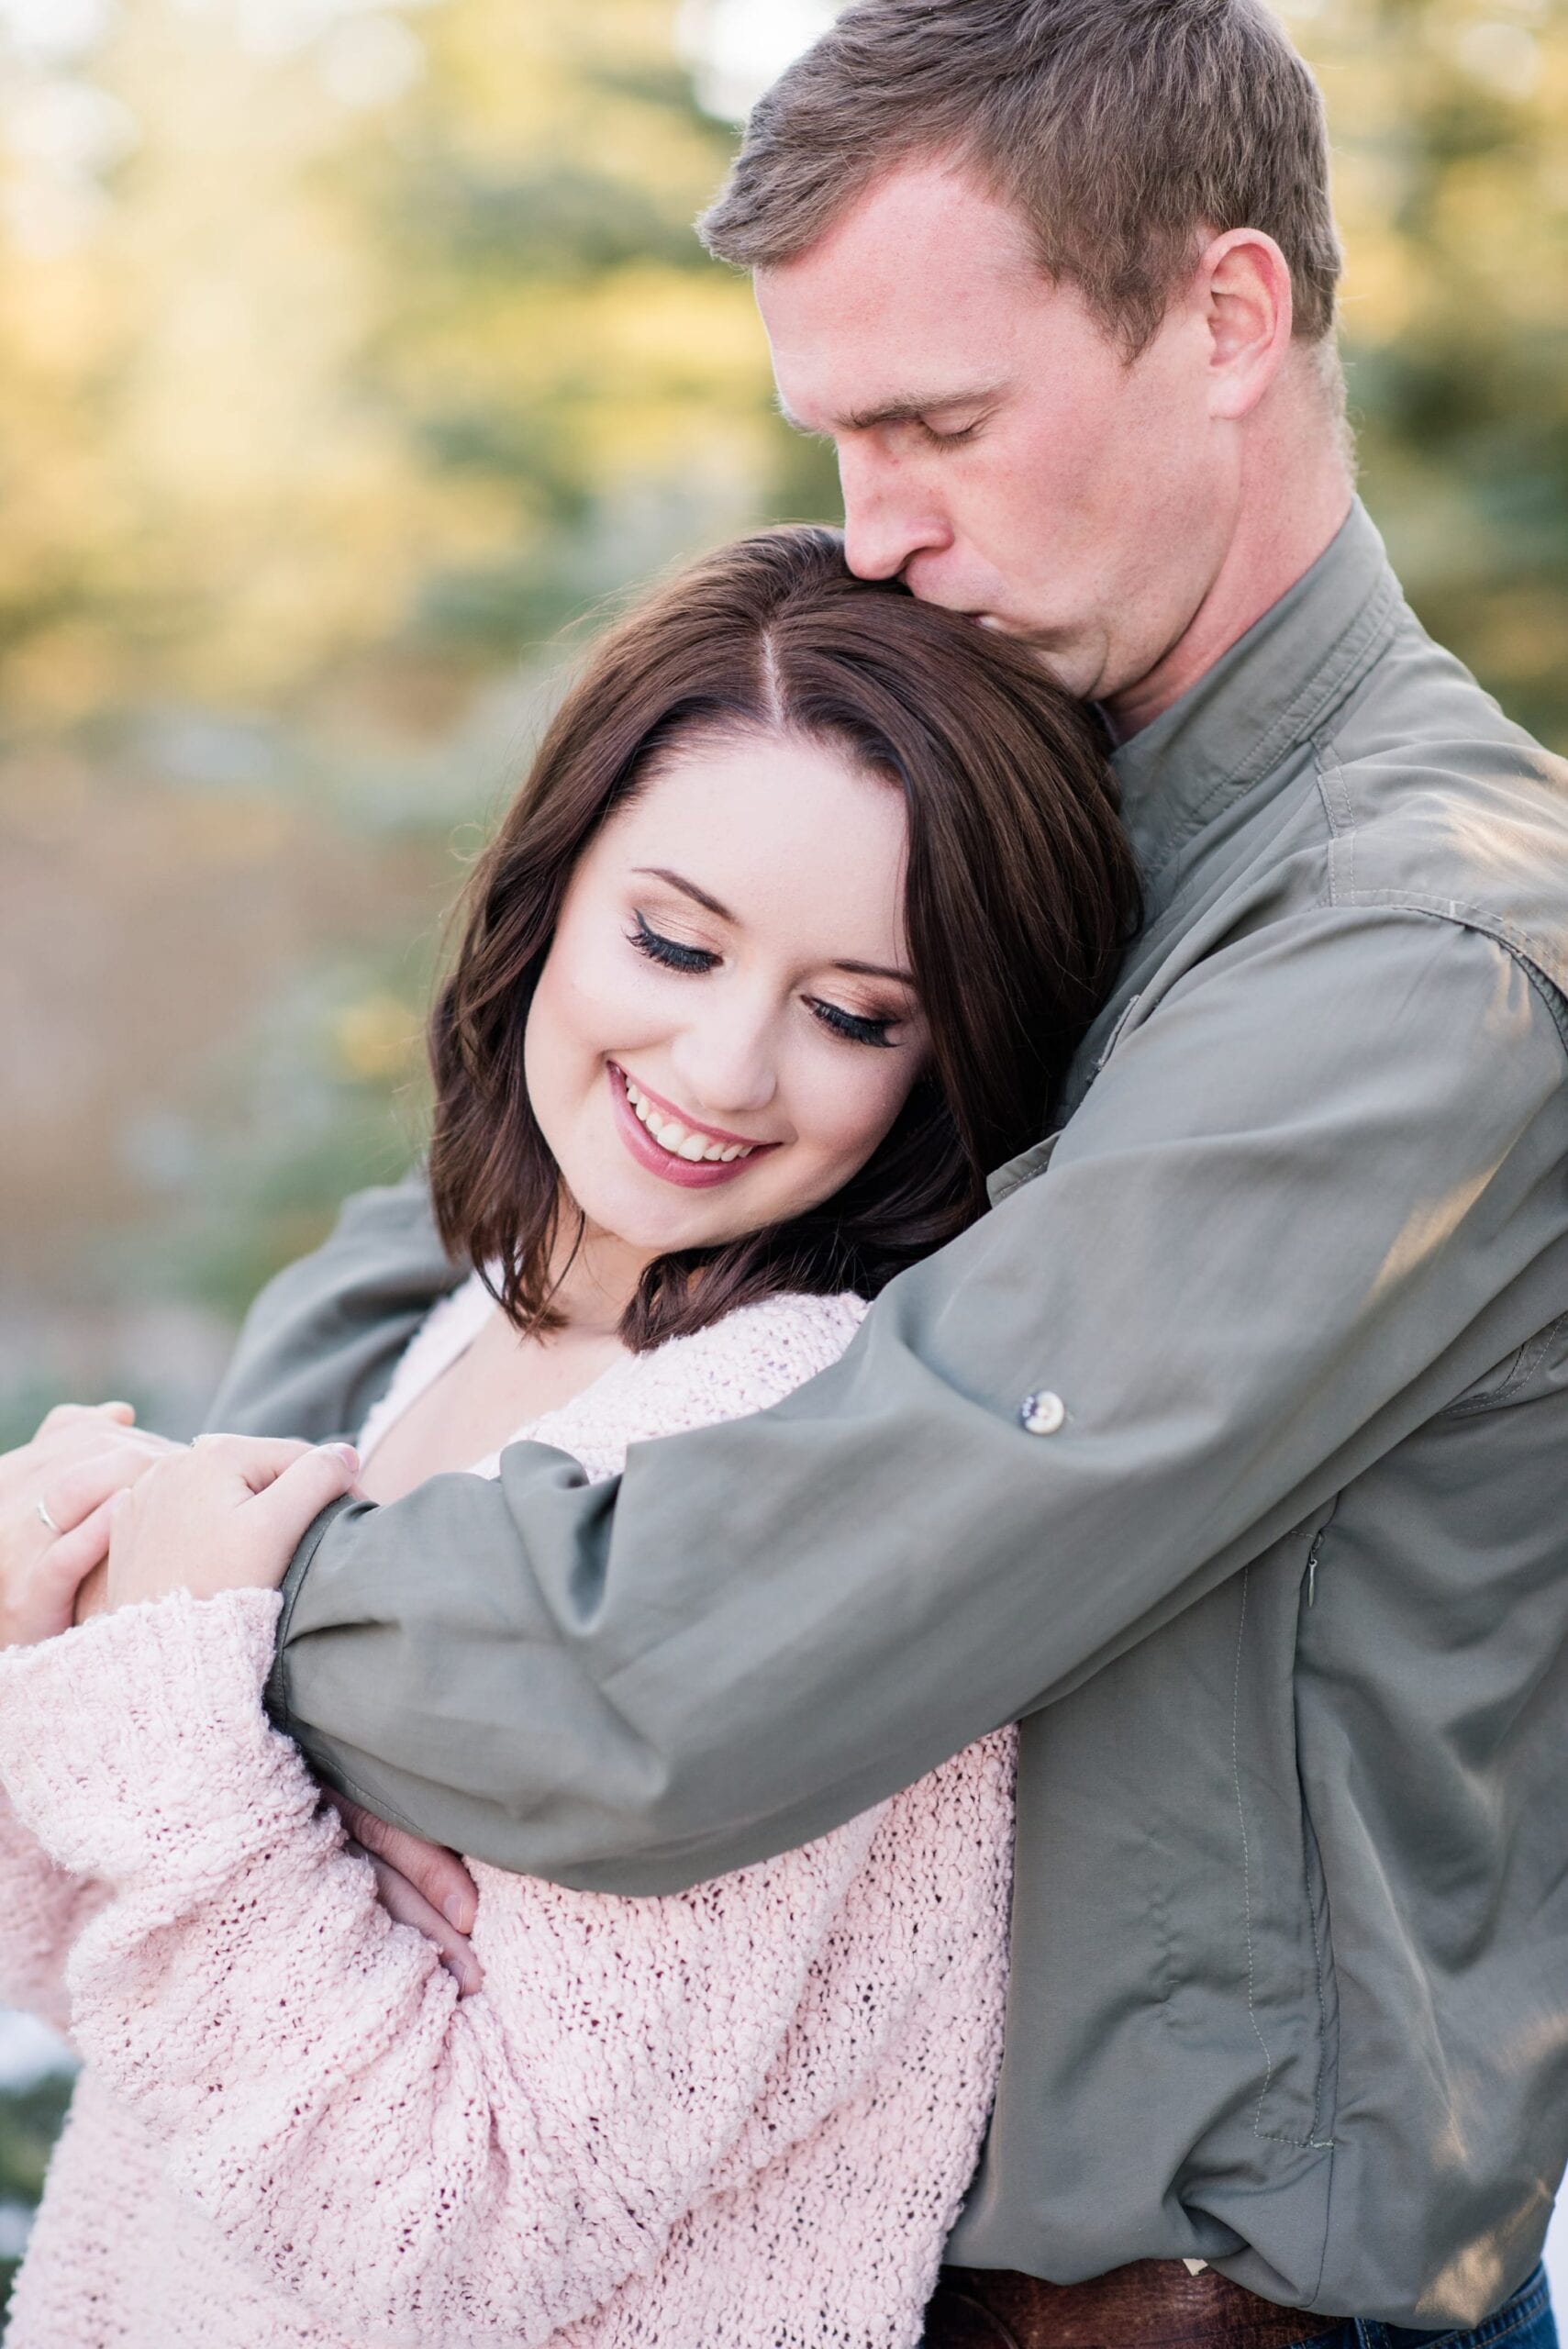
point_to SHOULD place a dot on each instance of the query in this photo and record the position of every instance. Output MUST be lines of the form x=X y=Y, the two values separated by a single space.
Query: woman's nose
x=727 y=1063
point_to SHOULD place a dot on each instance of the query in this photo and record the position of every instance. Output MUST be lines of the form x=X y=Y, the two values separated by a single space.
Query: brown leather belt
x=1152 y=2304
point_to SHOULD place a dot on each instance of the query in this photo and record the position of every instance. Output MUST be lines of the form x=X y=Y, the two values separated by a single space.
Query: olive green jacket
x=1280 y=1602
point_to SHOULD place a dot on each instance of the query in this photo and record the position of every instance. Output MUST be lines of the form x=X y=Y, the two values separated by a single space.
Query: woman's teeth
x=671 y=1135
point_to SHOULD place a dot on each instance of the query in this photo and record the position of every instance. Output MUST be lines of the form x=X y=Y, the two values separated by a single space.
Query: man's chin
x=1071 y=663
x=1072 y=667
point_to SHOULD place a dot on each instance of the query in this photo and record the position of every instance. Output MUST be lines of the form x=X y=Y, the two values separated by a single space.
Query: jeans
x=957 y=2319
x=1524 y=2322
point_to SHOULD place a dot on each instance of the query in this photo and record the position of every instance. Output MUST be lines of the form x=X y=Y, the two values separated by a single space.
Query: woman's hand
x=55 y=1496
x=226 y=1515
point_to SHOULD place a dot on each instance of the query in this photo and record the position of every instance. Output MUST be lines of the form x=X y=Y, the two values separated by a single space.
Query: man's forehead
x=910 y=303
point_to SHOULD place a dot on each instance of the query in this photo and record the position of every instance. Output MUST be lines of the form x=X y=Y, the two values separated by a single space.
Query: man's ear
x=1243 y=282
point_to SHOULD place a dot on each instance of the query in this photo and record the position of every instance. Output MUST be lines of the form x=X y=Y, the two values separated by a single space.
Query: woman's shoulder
x=752 y=1357
x=778 y=1342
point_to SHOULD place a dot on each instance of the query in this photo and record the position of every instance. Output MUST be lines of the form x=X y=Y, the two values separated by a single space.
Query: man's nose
x=888 y=515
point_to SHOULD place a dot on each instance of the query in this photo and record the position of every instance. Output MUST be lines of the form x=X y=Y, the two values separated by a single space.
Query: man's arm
x=321 y=1342
x=1291 y=1221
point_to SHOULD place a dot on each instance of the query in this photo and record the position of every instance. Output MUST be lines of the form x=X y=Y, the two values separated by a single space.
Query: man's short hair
x=1121 y=130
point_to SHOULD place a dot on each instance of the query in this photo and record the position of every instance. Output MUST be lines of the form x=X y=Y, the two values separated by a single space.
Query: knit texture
x=741 y=2116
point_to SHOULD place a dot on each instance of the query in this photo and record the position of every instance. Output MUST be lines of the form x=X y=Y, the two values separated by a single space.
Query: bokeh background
x=354 y=355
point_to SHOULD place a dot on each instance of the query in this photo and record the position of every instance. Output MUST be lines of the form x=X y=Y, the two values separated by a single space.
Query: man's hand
x=226 y=1515
x=419 y=1884
x=56 y=1494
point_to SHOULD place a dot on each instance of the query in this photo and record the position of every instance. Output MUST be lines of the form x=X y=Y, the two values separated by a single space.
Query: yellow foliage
x=378 y=1040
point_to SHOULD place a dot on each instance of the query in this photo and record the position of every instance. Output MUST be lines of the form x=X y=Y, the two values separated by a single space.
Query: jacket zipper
x=1312 y=1567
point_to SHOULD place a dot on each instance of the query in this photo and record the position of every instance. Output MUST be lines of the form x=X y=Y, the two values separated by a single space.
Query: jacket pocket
x=1291 y=2011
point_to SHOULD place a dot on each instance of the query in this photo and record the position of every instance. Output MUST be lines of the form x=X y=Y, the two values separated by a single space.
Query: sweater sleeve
x=415 y=2168
x=42 y=1910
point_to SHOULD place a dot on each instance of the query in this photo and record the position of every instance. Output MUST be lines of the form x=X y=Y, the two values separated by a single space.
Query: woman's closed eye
x=669 y=951
x=851 y=1025
x=673 y=954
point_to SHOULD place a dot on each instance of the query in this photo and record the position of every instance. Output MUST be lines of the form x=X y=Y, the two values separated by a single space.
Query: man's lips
x=690 y=1174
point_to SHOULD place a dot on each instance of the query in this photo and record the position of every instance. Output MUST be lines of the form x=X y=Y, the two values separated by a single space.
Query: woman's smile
x=743 y=989
x=673 y=1145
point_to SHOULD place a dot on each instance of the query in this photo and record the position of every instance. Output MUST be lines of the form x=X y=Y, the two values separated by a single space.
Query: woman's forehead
x=775 y=829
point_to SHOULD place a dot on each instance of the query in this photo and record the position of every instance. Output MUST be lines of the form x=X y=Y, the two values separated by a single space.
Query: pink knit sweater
x=737 y=2118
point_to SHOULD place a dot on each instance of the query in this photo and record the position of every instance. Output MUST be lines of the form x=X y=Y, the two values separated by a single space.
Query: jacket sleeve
x=1291 y=1221
x=321 y=1342
x=414 y=2169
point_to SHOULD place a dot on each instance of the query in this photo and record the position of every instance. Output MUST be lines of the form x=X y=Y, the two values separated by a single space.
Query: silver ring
x=56 y=1530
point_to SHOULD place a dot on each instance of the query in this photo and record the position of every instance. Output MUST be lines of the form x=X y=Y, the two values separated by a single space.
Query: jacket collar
x=1270 y=693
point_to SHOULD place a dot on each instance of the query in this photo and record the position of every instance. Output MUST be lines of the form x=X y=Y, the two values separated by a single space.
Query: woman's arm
x=419 y=2169
x=54 y=1505
x=42 y=1910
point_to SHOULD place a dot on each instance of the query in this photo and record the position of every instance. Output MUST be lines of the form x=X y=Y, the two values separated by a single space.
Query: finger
x=117 y=1509
x=306 y=1486
x=282 y=1508
x=91 y=1595
x=259 y=1460
x=67 y=1414
x=74 y=1493
x=82 y=1439
x=406 y=1906
x=72 y=1559
x=433 y=1871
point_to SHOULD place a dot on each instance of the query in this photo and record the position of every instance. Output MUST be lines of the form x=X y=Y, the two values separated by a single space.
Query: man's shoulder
x=1435 y=800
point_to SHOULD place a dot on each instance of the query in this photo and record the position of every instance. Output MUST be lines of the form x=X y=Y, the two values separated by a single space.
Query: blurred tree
x=1450 y=120
x=395 y=339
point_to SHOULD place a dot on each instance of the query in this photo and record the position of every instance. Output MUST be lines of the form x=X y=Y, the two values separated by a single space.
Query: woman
x=811 y=893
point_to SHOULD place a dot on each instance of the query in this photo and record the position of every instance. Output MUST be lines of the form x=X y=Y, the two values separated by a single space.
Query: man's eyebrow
x=687 y=889
x=906 y=410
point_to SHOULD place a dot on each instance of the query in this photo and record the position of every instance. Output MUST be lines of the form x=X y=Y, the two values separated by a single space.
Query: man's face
x=996 y=448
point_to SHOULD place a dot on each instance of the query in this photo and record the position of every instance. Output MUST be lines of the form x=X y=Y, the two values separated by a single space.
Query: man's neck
x=1288 y=514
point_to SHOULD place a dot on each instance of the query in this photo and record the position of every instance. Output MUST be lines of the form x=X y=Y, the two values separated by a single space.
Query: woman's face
x=725 y=1026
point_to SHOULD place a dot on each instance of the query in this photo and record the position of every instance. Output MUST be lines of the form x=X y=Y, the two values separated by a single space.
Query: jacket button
x=1042 y=1414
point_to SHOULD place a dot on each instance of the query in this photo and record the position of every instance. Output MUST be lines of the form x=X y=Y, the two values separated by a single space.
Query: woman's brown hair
x=1020 y=894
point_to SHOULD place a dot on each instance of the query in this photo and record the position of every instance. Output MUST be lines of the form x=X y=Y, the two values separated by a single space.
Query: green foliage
x=1451 y=127
x=30 y=2118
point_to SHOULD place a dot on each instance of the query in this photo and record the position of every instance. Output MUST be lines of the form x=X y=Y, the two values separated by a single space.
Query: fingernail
x=456 y=1911
x=346 y=1454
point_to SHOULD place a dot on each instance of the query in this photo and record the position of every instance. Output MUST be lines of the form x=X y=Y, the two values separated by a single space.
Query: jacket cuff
x=136 y=1743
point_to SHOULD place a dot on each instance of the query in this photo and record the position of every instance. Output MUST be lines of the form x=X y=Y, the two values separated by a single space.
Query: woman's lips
x=690 y=1174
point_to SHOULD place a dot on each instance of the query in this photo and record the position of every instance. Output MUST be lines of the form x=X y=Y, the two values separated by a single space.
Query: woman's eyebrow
x=877 y=971
x=687 y=889
x=700 y=896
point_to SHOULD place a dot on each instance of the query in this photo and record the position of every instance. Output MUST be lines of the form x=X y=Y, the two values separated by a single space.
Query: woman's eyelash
x=669 y=951
x=674 y=956
x=850 y=1025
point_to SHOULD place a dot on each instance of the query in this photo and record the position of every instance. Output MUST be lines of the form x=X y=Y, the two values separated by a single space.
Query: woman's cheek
x=856 y=1111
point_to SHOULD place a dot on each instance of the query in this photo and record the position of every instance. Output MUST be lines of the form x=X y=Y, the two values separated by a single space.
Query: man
x=1225 y=1451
